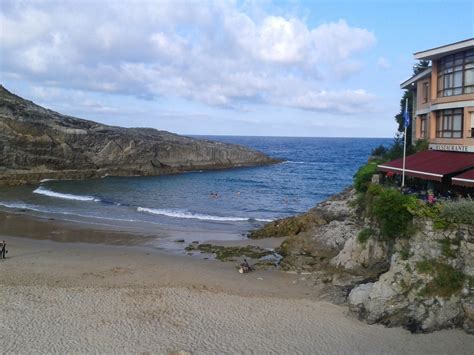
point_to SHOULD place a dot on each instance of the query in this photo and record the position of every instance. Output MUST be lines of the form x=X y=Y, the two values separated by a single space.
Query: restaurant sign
x=453 y=147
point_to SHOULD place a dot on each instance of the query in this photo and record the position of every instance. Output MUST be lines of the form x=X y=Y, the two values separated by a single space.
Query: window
x=449 y=123
x=426 y=92
x=472 y=124
x=423 y=131
x=456 y=74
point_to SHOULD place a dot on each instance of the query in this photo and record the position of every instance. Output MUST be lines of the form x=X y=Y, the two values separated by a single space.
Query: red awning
x=431 y=164
x=465 y=179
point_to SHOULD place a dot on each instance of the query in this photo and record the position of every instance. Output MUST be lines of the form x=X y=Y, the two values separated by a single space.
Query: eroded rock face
x=36 y=143
x=360 y=258
x=316 y=236
x=423 y=283
x=428 y=286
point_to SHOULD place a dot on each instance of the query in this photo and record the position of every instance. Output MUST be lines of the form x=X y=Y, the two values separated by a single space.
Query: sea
x=204 y=205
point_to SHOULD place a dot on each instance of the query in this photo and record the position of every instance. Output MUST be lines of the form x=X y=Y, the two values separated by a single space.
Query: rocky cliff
x=423 y=283
x=37 y=143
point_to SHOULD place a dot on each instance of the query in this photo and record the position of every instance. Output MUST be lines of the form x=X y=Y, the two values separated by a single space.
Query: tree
x=420 y=66
x=408 y=94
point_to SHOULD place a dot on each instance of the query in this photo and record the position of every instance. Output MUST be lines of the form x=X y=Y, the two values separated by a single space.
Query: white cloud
x=210 y=52
x=383 y=63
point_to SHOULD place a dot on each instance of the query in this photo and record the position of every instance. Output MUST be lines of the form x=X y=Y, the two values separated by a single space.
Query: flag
x=406 y=115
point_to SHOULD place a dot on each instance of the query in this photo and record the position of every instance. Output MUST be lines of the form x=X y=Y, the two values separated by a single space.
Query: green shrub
x=421 y=209
x=381 y=150
x=425 y=266
x=364 y=235
x=390 y=209
x=363 y=177
x=446 y=249
x=458 y=212
x=421 y=145
x=405 y=252
x=364 y=200
x=446 y=279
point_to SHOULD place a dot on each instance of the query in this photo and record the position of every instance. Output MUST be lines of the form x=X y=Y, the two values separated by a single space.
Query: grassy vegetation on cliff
x=390 y=210
x=364 y=235
x=458 y=212
x=446 y=279
x=363 y=176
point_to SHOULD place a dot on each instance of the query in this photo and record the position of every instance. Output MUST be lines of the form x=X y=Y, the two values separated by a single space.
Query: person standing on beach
x=3 y=250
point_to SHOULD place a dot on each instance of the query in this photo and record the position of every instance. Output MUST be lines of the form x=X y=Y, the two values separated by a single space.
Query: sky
x=260 y=68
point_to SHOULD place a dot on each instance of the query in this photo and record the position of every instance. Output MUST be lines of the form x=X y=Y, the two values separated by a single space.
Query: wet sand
x=83 y=297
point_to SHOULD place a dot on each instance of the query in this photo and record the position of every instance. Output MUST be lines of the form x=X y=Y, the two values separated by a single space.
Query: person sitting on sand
x=245 y=267
x=3 y=249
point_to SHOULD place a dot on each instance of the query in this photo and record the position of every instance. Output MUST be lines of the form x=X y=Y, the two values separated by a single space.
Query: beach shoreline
x=79 y=297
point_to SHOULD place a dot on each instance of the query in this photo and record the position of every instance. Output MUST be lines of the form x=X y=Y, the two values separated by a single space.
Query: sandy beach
x=81 y=297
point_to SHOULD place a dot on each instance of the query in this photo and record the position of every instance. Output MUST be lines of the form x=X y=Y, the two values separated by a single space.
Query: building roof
x=415 y=78
x=435 y=53
x=431 y=164
x=465 y=179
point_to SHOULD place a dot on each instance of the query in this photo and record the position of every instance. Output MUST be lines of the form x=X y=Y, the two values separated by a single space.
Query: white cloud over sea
x=218 y=54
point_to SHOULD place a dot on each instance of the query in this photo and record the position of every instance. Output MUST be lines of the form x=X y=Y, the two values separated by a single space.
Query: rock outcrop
x=422 y=283
x=429 y=285
x=37 y=143
x=315 y=236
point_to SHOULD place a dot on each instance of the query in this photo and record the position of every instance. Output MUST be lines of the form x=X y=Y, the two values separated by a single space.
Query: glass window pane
x=469 y=77
x=447 y=81
x=458 y=79
x=456 y=134
x=457 y=123
x=445 y=123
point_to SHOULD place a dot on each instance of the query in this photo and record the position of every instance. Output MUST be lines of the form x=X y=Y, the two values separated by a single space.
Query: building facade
x=444 y=97
x=443 y=112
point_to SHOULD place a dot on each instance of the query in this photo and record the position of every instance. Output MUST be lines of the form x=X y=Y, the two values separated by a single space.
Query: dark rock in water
x=37 y=143
x=231 y=252
x=179 y=241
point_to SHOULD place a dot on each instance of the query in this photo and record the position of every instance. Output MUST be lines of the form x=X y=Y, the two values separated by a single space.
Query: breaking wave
x=42 y=191
x=20 y=206
x=202 y=217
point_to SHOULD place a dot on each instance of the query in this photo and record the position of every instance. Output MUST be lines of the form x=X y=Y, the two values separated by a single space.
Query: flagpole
x=404 y=144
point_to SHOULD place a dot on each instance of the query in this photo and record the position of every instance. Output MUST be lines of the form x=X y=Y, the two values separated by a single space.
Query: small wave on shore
x=191 y=215
x=42 y=191
x=20 y=206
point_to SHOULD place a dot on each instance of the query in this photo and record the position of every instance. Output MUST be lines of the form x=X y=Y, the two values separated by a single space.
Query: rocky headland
x=37 y=143
x=423 y=282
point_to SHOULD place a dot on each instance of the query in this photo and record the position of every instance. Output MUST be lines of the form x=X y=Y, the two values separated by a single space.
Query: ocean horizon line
x=263 y=136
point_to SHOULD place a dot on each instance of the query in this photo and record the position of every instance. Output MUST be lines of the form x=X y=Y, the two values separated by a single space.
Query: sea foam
x=20 y=206
x=191 y=215
x=42 y=191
